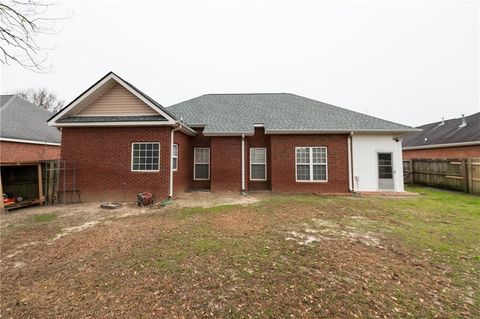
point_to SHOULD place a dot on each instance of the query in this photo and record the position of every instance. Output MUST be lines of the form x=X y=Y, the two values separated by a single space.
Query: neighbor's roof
x=449 y=132
x=23 y=120
x=277 y=112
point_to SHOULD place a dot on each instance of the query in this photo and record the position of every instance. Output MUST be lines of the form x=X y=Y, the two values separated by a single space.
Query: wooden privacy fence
x=459 y=174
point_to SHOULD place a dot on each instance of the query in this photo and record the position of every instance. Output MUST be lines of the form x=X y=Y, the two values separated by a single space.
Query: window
x=258 y=164
x=145 y=157
x=311 y=164
x=175 y=157
x=201 y=166
x=385 y=169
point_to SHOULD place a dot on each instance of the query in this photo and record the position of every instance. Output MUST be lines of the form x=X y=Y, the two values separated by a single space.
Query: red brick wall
x=444 y=152
x=103 y=161
x=183 y=176
x=283 y=163
x=259 y=139
x=226 y=164
x=11 y=152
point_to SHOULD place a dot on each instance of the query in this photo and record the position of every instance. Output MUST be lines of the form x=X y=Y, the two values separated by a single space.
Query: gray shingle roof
x=23 y=120
x=447 y=133
x=237 y=113
x=4 y=99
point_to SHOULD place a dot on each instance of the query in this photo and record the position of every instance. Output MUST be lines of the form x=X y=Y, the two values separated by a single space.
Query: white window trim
x=195 y=163
x=144 y=171
x=175 y=157
x=265 y=164
x=311 y=165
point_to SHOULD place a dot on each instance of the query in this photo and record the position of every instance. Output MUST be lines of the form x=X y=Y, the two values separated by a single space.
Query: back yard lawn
x=282 y=256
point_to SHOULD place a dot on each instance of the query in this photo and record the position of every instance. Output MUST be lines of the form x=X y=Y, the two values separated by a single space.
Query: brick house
x=27 y=144
x=124 y=142
x=452 y=138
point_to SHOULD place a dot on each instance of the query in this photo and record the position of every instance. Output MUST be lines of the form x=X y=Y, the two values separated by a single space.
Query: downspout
x=243 y=164
x=170 y=192
x=350 y=168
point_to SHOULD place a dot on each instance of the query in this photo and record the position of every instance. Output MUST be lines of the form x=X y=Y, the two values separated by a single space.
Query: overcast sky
x=411 y=62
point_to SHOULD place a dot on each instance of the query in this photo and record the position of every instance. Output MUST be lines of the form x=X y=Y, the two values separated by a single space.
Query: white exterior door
x=385 y=171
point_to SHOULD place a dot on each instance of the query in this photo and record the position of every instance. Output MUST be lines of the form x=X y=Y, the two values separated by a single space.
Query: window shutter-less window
x=201 y=164
x=258 y=164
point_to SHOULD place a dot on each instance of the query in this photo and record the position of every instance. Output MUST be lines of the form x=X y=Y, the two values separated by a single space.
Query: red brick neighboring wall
x=283 y=163
x=226 y=164
x=444 y=152
x=103 y=161
x=11 y=152
x=183 y=176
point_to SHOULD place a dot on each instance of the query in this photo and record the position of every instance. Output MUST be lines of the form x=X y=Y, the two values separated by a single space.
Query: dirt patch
x=74 y=229
x=320 y=229
x=207 y=199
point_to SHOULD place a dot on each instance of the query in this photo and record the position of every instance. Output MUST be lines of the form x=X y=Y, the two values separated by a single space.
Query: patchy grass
x=43 y=218
x=415 y=257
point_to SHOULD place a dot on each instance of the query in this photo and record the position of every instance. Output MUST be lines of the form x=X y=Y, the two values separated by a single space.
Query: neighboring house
x=453 y=138
x=123 y=143
x=24 y=134
x=27 y=143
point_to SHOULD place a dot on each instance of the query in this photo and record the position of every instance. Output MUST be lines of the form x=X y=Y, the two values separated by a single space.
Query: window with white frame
x=258 y=164
x=311 y=164
x=201 y=166
x=145 y=157
x=175 y=157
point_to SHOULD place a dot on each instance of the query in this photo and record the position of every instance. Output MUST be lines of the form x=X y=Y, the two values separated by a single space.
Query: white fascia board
x=229 y=134
x=91 y=124
x=16 y=140
x=53 y=121
x=187 y=130
x=441 y=145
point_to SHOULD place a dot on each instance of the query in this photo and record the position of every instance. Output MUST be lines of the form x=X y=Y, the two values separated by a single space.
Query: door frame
x=378 y=170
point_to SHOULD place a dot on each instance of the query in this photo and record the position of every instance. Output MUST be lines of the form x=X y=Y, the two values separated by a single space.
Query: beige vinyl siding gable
x=117 y=101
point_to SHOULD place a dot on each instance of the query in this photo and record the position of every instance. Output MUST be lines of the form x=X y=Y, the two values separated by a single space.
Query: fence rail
x=459 y=174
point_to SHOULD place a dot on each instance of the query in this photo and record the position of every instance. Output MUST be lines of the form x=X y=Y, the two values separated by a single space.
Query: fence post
x=469 y=174
x=464 y=175
x=410 y=170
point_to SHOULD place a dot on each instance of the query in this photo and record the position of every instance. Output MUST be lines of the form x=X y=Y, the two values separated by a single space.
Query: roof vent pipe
x=464 y=122
x=443 y=121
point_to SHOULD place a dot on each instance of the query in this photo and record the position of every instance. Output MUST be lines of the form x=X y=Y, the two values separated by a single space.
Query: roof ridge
x=450 y=120
x=246 y=93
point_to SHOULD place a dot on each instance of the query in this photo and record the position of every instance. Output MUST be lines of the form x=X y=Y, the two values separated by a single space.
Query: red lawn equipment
x=144 y=199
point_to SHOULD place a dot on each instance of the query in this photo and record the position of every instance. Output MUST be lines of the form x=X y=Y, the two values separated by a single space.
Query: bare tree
x=20 y=22
x=42 y=97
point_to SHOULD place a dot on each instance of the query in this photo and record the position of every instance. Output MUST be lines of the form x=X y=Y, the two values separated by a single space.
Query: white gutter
x=349 y=146
x=365 y=131
x=243 y=163
x=16 y=140
x=170 y=192
x=229 y=134
x=441 y=145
